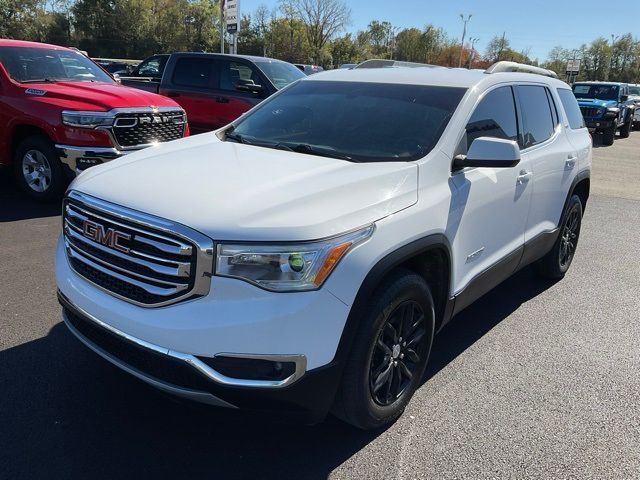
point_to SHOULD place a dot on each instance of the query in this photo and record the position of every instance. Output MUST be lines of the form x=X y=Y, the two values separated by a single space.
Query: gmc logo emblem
x=109 y=237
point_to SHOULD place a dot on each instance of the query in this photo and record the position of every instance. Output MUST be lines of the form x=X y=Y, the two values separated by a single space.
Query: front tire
x=390 y=353
x=38 y=170
x=555 y=264
x=625 y=130
x=608 y=136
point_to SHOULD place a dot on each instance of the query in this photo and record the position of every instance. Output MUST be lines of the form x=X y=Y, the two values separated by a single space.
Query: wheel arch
x=581 y=186
x=430 y=257
x=19 y=133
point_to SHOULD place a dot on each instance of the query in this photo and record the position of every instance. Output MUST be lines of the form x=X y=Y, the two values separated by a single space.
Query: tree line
x=298 y=31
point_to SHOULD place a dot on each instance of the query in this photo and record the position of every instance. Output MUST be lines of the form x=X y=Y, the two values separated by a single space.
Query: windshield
x=634 y=90
x=357 y=121
x=31 y=65
x=600 y=92
x=281 y=74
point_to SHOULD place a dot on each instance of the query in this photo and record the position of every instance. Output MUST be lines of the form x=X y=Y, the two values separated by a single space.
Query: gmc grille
x=590 y=112
x=138 y=129
x=139 y=258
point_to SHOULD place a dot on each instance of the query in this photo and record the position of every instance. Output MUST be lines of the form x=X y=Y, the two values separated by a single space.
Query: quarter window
x=571 y=108
x=536 y=115
x=495 y=116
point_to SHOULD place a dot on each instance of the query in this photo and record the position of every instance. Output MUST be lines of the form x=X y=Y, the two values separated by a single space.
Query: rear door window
x=571 y=108
x=193 y=72
x=495 y=116
x=536 y=115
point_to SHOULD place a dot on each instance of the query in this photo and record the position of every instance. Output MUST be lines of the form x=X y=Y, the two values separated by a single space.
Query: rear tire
x=38 y=170
x=625 y=130
x=608 y=136
x=555 y=264
x=390 y=353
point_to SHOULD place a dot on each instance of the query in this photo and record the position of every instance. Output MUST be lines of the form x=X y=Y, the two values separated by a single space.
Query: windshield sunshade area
x=33 y=65
x=357 y=121
x=599 y=92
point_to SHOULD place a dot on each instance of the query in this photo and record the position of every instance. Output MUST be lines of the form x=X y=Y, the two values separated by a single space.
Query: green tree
x=345 y=50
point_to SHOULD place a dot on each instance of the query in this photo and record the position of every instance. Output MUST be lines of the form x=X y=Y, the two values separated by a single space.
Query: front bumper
x=307 y=397
x=174 y=345
x=78 y=159
x=599 y=124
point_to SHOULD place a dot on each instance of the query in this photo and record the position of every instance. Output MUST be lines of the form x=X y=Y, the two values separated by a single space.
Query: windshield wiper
x=312 y=150
x=41 y=80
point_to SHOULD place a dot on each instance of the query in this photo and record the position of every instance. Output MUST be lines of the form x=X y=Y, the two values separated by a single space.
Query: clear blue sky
x=538 y=25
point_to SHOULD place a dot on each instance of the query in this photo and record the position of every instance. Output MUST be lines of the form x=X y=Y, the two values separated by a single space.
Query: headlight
x=611 y=112
x=287 y=267
x=87 y=119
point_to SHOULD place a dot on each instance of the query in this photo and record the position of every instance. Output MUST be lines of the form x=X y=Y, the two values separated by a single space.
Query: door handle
x=571 y=162
x=523 y=177
x=222 y=100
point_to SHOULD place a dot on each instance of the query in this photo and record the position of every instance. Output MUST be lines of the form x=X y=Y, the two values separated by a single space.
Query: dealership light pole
x=472 y=53
x=614 y=39
x=464 y=33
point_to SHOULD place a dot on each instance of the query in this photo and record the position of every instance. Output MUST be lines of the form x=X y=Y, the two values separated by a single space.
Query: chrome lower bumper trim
x=202 y=397
x=300 y=361
x=70 y=155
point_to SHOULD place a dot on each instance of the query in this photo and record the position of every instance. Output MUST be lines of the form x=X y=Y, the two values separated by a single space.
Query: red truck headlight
x=73 y=118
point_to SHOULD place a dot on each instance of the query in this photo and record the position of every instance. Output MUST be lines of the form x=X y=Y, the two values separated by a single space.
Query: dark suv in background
x=214 y=89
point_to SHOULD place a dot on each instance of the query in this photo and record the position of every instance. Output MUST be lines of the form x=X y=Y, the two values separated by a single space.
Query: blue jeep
x=606 y=108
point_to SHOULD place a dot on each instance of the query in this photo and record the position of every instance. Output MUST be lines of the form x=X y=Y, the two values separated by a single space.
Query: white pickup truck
x=302 y=258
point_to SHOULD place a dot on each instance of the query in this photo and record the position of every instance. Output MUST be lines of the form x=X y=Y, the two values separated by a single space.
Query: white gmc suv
x=302 y=258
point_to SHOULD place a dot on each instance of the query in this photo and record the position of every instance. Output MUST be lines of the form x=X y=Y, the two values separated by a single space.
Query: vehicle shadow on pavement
x=16 y=205
x=480 y=317
x=66 y=413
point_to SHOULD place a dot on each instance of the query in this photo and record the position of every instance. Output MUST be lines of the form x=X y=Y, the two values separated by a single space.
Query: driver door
x=490 y=206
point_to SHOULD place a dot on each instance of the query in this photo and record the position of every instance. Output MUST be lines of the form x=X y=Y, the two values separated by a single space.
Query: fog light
x=250 y=368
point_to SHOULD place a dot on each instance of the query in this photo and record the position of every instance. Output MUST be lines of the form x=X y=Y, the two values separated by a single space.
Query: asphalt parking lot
x=536 y=379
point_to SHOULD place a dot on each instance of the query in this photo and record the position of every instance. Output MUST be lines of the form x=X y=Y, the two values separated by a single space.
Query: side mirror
x=489 y=152
x=249 y=86
x=116 y=77
x=624 y=98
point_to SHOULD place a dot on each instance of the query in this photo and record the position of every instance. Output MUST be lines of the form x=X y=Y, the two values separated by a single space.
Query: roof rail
x=385 y=63
x=505 y=66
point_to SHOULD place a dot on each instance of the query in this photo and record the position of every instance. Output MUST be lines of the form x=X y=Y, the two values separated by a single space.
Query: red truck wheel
x=38 y=170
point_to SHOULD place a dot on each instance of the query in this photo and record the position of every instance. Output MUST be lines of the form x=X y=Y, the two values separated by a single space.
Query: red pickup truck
x=61 y=113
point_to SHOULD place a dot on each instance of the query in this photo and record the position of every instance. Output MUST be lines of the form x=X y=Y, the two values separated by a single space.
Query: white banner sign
x=573 y=66
x=231 y=15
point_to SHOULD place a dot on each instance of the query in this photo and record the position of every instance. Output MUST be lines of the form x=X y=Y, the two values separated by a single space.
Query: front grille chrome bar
x=158 y=262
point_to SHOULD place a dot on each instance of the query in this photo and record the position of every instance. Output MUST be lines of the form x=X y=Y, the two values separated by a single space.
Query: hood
x=594 y=102
x=230 y=191
x=94 y=95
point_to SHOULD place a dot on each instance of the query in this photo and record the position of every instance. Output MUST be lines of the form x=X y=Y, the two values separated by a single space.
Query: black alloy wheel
x=397 y=354
x=390 y=351
x=557 y=261
x=569 y=237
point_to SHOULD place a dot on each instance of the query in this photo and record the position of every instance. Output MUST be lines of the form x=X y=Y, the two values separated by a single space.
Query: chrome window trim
x=204 y=250
x=300 y=361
